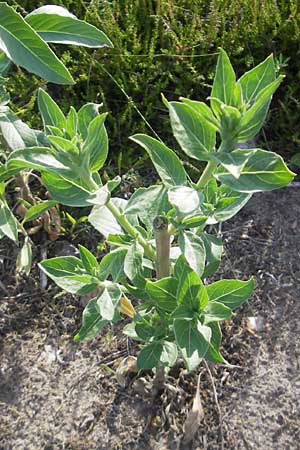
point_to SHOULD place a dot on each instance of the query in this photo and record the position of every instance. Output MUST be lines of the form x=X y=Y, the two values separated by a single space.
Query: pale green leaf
x=165 y=161
x=232 y=293
x=25 y=47
x=55 y=24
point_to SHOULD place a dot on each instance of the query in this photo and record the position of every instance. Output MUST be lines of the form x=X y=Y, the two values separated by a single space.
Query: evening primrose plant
x=161 y=251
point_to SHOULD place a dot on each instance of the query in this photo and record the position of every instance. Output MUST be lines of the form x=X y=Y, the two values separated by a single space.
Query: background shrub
x=169 y=46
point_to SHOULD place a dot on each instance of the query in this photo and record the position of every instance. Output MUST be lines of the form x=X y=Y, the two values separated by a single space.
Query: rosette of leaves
x=161 y=252
x=24 y=41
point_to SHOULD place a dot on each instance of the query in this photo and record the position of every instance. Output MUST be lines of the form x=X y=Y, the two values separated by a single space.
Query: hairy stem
x=207 y=174
x=162 y=238
x=131 y=230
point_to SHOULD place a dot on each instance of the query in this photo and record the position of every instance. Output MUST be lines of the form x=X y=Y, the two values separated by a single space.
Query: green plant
x=161 y=253
x=24 y=42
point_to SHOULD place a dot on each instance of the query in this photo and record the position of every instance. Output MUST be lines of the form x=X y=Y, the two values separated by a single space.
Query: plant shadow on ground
x=55 y=394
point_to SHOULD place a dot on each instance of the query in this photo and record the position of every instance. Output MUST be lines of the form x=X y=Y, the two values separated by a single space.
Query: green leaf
x=157 y=353
x=185 y=199
x=194 y=134
x=165 y=161
x=113 y=264
x=55 y=24
x=133 y=263
x=24 y=47
x=204 y=110
x=95 y=147
x=215 y=312
x=24 y=258
x=68 y=273
x=223 y=201
x=192 y=246
x=193 y=340
x=108 y=300
x=213 y=249
x=232 y=293
x=191 y=291
x=51 y=113
x=37 y=210
x=89 y=261
x=147 y=203
x=262 y=171
x=163 y=293
x=253 y=119
x=103 y=220
x=86 y=114
x=70 y=194
x=63 y=145
x=92 y=321
x=224 y=81
x=72 y=123
x=213 y=352
x=8 y=223
x=15 y=133
x=256 y=79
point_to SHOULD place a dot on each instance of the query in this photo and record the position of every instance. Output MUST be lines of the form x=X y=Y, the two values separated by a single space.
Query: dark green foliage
x=167 y=46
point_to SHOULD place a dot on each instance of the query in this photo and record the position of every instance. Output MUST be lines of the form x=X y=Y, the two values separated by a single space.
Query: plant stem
x=162 y=238
x=207 y=174
x=131 y=230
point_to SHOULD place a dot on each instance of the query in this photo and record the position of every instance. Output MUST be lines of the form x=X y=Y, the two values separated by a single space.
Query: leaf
x=253 y=119
x=8 y=223
x=193 y=340
x=224 y=81
x=232 y=293
x=147 y=203
x=185 y=199
x=51 y=113
x=225 y=203
x=193 y=248
x=256 y=79
x=213 y=249
x=213 y=352
x=104 y=221
x=55 y=24
x=133 y=263
x=165 y=161
x=24 y=47
x=194 y=134
x=69 y=274
x=37 y=210
x=191 y=292
x=92 y=322
x=24 y=258
x=162 y=293
x=70 y=194
x=86 y=114
x=263 y=171
x=89 y=261
x=108 y=301
x=72 y=123
x=215 y=312
x=113 y=264
x=157 y=353
x=95 y=147
x=15 y=133
x=204 y=110
x=194 y=417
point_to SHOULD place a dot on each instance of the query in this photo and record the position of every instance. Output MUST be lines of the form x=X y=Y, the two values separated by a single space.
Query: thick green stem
x=131 y=230
x=162 y=239
x=207 y=174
